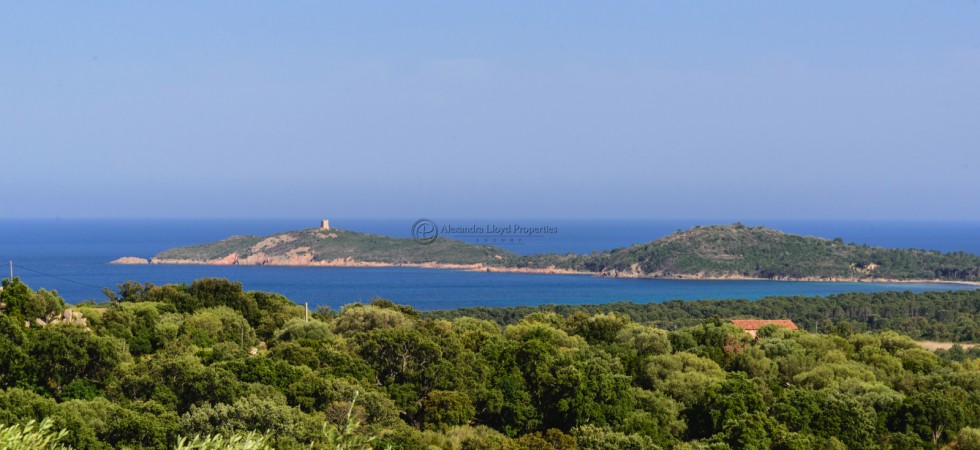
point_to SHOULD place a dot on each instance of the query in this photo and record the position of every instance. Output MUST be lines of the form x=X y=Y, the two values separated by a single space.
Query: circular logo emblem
x=425 y=231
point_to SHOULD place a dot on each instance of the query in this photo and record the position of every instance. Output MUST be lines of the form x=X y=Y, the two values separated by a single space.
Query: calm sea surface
x=71 y=256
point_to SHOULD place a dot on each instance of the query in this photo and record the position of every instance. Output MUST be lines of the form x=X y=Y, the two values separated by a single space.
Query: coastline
x=346 y=262
x=479 y=267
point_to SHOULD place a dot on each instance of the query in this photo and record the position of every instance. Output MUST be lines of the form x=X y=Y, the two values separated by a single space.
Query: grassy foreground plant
x=31 y=436
x=250 y=441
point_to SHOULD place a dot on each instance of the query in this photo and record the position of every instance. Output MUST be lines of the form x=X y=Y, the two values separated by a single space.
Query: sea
x=71 y=256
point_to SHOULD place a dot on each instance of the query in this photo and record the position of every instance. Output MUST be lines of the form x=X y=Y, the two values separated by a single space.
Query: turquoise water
x=71 y=257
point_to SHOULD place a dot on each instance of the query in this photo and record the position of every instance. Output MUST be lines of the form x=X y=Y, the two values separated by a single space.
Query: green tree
x=443 y=409
x=591 y=437
x=61 y=354
x=13 y=357
x=214 y=292
x=846 y=419
x=209 y=326
x=726 y=402
x=287 y=425
x=22 y=304
x=931 y=414
x=968 y=439
x=136 y=323
x=239 y=441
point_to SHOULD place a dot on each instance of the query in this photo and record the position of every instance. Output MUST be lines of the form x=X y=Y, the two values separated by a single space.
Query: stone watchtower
x=324 y=224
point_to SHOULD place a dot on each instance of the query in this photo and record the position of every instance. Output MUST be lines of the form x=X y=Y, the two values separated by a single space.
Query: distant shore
x=348 y=262
x=232 y=259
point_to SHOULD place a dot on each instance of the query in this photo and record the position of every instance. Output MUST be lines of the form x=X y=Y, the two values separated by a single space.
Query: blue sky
x=830 y=110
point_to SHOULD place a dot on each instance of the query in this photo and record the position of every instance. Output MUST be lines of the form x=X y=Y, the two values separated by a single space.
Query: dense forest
x=208 y=365
x=940 y=315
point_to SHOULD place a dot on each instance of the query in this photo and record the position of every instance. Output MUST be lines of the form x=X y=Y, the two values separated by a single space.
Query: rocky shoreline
x=263 y=260
x=232 y=260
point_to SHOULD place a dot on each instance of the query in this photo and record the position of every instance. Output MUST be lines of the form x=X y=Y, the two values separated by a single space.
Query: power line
x=58 y=277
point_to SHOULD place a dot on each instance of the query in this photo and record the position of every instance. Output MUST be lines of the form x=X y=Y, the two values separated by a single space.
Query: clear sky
x=832 y=110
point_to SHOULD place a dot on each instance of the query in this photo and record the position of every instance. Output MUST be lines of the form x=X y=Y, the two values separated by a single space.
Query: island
x=703 y=252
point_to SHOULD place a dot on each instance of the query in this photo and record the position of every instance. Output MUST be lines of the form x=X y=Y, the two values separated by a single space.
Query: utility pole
x=307 y=310
x=11 y=271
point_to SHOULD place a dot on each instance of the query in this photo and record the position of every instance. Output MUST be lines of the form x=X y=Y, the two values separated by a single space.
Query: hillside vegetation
x=758 y=252
x=733 y=251
x=312 y=246
x=208 y=365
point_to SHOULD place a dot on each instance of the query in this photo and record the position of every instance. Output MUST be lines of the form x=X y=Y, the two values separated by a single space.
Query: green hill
x=718 y=251
x=313 y=246
x=758 y=252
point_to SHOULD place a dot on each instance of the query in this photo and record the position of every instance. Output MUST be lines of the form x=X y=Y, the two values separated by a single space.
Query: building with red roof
x=752 y=326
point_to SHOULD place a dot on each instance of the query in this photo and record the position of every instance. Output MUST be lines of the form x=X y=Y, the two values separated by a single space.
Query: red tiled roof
x=756 y=324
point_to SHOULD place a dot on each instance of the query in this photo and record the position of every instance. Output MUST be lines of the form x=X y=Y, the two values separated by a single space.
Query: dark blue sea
x=71 y=257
